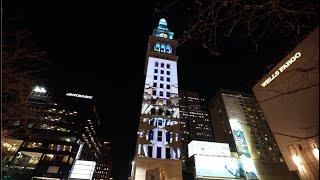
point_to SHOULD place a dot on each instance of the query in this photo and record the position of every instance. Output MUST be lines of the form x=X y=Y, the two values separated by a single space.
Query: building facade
x=238 y=120
x=158 y=138
x=195 y=123
x=289 y=97
x=66 y=129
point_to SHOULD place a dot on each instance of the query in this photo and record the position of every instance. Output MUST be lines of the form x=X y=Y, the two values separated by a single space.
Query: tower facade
x=158 y=138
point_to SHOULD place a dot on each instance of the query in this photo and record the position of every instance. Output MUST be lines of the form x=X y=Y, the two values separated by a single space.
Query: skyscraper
x=158 y=138
x=195 y=123
x=65 y=129
x=238 y=120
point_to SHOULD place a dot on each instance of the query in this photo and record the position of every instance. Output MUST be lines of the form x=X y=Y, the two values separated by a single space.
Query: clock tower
x=158 y=149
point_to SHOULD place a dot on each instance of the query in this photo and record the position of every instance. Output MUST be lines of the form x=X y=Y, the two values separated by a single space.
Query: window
x=159 y=138
x=162 y=71
x=168 y=66
x=53 y=169
x=161 y=93
x=168 y=72
x=157 y=47
x=168 y=79
x=168 y=94
x=154 y=92
x=155 y=77
x=156 y=71
x=158 y=152
x=168 y=49
x=156 y=64
x=161 y=85
x=163 y=47
x=151 y=135
x=162 y=65
x=168 y=155
x=168 y=86
x=149 y=151
x=154 y=84
x=161 y=78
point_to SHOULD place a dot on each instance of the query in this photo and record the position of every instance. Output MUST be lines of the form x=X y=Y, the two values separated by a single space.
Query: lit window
x=162 y=49
x=157 y=47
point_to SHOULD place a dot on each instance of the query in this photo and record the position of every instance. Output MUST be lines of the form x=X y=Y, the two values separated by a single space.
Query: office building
x=158 y=149
x=195 y=123
x=238 y=120
x=66 y=129
x=289 y=97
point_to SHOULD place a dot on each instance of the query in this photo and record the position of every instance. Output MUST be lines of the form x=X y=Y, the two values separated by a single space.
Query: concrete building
x=238 y=120
x=195 y=123
x=289 y=97
x=158 y=148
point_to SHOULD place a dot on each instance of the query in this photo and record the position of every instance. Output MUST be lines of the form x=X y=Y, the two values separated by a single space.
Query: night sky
x=98 y=48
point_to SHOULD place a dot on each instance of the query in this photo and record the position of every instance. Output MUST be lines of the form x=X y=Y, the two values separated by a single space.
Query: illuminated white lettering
x=79 y=95
x=281 y=69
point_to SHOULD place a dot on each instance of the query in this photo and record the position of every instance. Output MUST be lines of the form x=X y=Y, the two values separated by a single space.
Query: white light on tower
x=40 y=89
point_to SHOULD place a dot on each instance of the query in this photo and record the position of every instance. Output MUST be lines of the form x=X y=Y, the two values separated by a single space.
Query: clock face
x=164 y=35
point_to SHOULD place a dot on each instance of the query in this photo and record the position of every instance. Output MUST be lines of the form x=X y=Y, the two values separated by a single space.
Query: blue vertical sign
x=243 y=151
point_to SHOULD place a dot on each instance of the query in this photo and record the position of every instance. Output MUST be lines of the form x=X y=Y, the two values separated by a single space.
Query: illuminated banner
x=208 y=149
x=83 y=170
x=218 y=167
x=79 y=95
x=281 y=69
x=243 y=150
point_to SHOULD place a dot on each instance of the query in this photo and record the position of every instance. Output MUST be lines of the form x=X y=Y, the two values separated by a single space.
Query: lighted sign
x=79 y=95
x=82 y=170
x=243 y=150
x=281 y=69
x=208 y=149
x=218 y=167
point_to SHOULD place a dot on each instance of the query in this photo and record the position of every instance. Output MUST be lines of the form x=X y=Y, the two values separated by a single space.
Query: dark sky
x=98 y=48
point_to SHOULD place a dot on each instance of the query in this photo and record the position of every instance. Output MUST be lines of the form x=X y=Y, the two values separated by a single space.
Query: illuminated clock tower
x=158 y=138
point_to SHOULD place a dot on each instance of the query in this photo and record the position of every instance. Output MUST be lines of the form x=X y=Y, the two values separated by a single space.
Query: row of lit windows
x=166 y=48
x=56 y=147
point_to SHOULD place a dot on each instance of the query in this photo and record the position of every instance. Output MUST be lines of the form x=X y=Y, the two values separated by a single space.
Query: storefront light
x=315 y=152
x=297 y=160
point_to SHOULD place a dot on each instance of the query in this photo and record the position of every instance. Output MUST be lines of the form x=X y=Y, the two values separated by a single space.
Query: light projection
x=158 y=136
x=159 y=111
x=218 y=167
x=243 y=151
